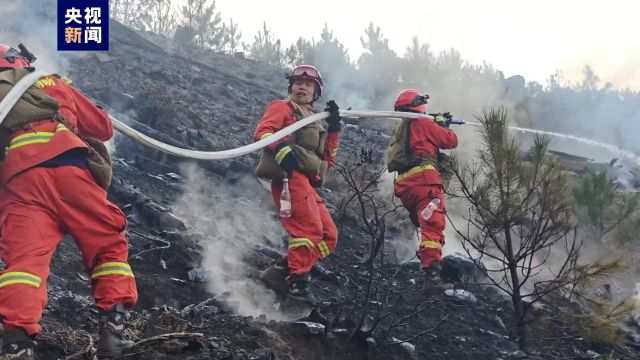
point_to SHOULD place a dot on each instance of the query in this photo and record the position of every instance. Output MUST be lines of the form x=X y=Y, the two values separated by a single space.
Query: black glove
x=334 y=119
x=286 y=158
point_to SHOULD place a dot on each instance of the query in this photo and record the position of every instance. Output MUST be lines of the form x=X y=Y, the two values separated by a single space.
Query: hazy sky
x=532 y=38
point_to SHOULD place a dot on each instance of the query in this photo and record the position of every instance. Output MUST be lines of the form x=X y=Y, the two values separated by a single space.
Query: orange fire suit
x=420 y=184
x=47 y=192
x=312 y=233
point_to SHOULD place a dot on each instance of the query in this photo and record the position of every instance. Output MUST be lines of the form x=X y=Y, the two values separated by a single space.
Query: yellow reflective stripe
x=334 y=152
x=430 y=244
x=298 y=242
x=111 y=268
x=415 y=170
x=282 y=153
x=324 y=249
x=37 y=137
x=17 y=277
x=265 y=135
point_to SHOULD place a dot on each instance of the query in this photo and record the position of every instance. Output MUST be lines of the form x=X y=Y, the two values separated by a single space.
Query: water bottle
x=285 y=200
x=431 y=207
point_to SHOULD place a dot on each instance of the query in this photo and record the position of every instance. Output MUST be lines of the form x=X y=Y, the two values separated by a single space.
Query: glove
x=334 y=119
x=286 y=158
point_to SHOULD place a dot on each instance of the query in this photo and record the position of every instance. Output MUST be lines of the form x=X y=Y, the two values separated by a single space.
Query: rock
x=263 y=354
x=408 y=348
x=310 y=327
x=462 y=295
x=458 y=267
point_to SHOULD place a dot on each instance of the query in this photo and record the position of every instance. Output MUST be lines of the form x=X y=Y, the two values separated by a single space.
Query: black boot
x=111 y=342
x=300 y=289
x=275 y=276
x=433 y=283
x=17 y=345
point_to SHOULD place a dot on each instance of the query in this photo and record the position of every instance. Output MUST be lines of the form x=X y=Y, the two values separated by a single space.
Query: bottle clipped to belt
x=285 y=200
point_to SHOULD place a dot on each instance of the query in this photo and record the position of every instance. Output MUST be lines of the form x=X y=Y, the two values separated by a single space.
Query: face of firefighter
x=303 y=90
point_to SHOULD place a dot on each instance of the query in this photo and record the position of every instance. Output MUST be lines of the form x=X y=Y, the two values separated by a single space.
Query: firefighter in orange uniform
x=414 y=153
x=48 y=191
x=303 y=159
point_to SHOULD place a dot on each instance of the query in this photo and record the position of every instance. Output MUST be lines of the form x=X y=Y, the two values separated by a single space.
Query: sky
x=530 y=38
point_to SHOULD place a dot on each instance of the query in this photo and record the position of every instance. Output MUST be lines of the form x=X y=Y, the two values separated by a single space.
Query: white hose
x=25 y=83
x=227 y=154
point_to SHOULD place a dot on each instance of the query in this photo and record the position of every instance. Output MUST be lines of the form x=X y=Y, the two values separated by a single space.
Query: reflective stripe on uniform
x=36 y=137
x=415 y=170
x=111 y=268
x=430 y=244
x=334 y=152
x=16 y=277
x=282 y=153
x=324 y=249
x=265 y=135
x=298 y=242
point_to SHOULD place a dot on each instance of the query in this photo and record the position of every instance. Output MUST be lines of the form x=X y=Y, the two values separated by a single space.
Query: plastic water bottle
x=431 y=207
x=285 y=200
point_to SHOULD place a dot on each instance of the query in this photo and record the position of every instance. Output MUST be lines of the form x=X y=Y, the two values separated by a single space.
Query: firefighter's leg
x=431 y=230
x=29 y=237
x=305 y=234
x=329 y=229
x=98 y=227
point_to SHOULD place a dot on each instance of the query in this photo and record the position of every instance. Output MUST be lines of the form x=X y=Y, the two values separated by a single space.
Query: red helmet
x=411 y=100
x=309 y=72
x=12 y=58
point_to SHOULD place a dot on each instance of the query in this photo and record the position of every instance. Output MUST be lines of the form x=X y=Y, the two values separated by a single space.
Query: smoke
x=233 y=219
x=33 y=23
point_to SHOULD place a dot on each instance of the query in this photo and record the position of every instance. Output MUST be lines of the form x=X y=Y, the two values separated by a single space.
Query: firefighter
x=302 y=158
x=413 y=152
x=49 y=190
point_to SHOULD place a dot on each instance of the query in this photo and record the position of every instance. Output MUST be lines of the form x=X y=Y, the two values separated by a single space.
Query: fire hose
x=23 y=85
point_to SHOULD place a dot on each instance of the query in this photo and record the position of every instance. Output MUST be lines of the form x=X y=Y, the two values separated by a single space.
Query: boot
x=433 y=283
x=111 y=342
x=275 y=276
x=17 y=345
x=300 y=289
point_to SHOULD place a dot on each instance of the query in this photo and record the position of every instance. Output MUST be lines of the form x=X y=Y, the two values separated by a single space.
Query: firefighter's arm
x=272 y=121
x=331 y=148
x=93 y=122
x=441 y=137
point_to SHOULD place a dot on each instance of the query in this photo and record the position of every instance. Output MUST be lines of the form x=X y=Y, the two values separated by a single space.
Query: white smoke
x=233 y=220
